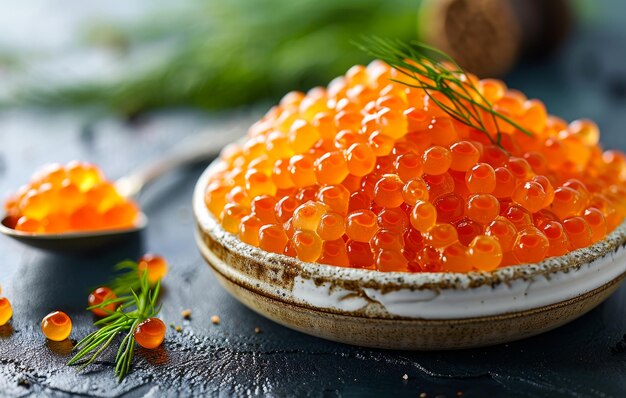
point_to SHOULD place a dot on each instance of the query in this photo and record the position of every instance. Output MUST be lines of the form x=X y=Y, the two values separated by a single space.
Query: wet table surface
x=585 y=358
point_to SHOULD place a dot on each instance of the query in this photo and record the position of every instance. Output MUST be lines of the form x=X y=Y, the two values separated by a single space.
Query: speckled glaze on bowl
x=422 y=311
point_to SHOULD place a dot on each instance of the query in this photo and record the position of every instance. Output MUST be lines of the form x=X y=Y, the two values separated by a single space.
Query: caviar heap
x=74 y=197
x=150 y=333
x=372 y=173
x=56 y=326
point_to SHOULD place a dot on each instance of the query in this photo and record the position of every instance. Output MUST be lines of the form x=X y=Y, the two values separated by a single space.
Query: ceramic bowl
x=411 y=311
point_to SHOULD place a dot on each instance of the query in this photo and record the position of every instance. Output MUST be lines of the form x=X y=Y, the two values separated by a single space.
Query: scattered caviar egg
x=154 y=265
x=56 y=326
x=76 y=197
x=371 y=173
x=6 y=311
x=150 y=333
x=99 y=296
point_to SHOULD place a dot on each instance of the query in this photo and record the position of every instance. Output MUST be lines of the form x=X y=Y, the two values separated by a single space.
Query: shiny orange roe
x=69 y=198
x=150 y=333
x=99 y=296
x=155 y=265
x=56 y=326
x=371 y=173
x=6 y=311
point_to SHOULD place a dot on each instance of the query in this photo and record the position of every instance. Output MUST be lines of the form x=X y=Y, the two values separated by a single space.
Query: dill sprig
x=137 y=305
x=434 y=71
x=127 y=279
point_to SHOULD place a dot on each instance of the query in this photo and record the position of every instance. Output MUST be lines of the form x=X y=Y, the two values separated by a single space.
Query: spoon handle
x=194 y=149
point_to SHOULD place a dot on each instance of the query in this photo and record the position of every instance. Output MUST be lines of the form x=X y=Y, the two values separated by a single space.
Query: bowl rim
x=571 y=261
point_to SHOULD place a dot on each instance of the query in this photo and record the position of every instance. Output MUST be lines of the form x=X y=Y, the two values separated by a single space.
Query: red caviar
x=150 y=333
x=374 y=174
x=6 y=311
x=155 y=265
x=56 y=326
x=99 y=296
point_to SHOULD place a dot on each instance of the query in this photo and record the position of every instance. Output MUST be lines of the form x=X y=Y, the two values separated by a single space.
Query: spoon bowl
x=75 y=242
x=195 y=149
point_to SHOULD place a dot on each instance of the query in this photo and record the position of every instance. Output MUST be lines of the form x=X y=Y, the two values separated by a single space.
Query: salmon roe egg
x=557 y=239
x=6 y=311
x=441 y=235
x=456 y=258
x=361 y=159
x=482 y=208
x=481 y=178
x=388 y=191
x=273 y=238
x=308 y=215
x=530 y=246
x=423 y=216
x=376 y=174
x=436 y=160
x=464 y=156
x=154 y=265
x=99 y=296
x=414 y=190
x=150 y=333
x=56 y=326
x=361 y=225
x=331 y=226
x=485 y=253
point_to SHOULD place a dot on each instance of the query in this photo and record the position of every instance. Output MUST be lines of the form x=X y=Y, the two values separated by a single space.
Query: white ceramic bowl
x=420 y=311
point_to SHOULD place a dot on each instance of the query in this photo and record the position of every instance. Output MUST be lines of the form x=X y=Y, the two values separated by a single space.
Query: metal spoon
x=195 y=149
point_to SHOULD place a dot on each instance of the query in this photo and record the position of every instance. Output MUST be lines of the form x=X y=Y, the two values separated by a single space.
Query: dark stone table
x=586 y=358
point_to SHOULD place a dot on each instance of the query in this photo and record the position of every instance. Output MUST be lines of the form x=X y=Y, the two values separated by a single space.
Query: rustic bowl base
x=413 y=334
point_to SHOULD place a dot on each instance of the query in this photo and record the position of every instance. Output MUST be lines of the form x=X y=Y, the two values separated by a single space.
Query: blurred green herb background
x=220 y=54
